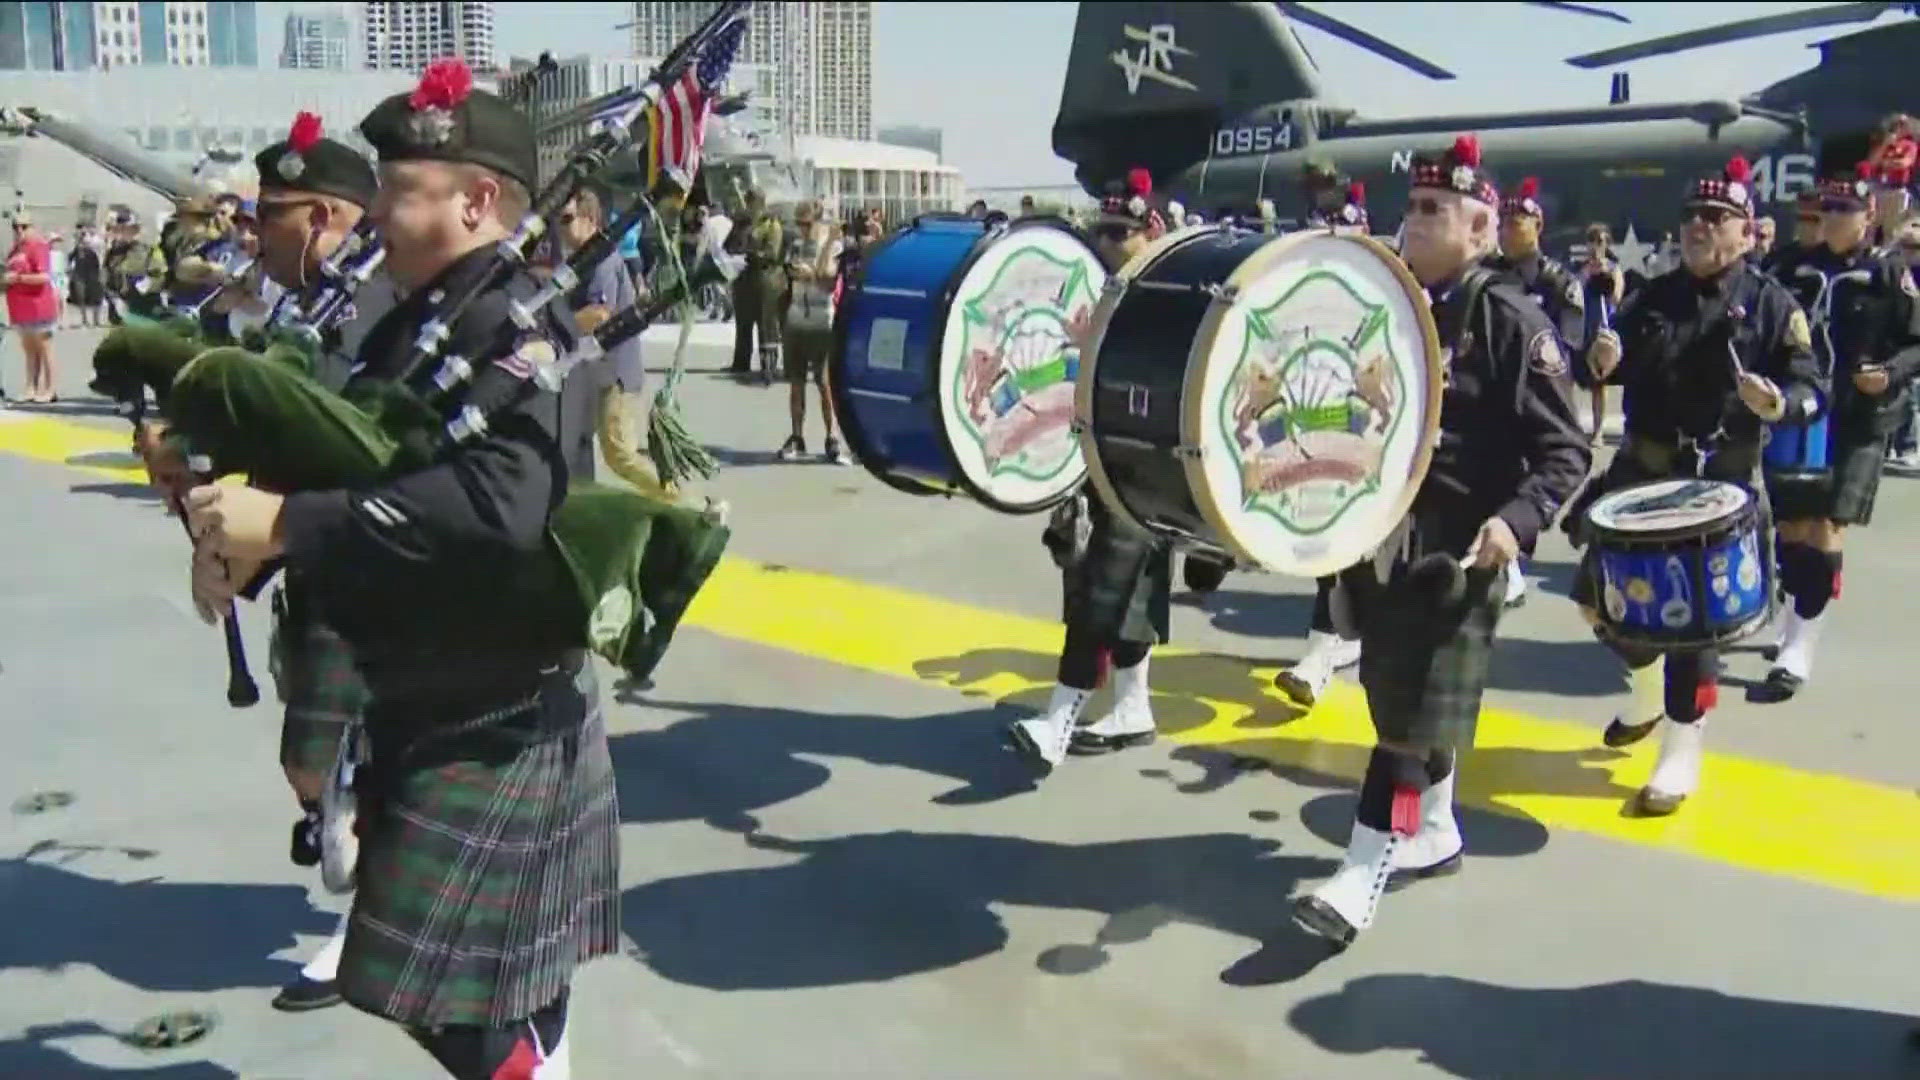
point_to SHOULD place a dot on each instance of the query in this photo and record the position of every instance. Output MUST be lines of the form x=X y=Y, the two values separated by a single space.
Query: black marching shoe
x=1620 y=733
x=306 y=995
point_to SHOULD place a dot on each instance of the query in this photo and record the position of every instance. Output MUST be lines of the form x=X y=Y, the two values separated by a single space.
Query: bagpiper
x=488 y=864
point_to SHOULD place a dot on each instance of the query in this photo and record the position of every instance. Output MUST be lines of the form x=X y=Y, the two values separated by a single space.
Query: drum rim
x=1748 y=512
x=957 y=479
x=1191 y=421
x=1117 y=284
x=952 y=291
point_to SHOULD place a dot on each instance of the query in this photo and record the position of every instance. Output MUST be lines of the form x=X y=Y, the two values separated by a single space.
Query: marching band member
x=1861 y=299
x=488 y=857
x=1328 y=650
x=1687 y=415
x=313 y=192
x=1544 y=278
x=1510 y=452
x=1116 y=581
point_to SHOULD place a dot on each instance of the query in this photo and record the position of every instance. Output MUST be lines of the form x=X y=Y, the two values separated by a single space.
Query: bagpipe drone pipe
x=620 y=567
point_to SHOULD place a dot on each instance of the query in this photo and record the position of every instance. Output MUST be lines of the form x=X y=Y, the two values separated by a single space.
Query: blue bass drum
x=1680 y=564
x=957 y=354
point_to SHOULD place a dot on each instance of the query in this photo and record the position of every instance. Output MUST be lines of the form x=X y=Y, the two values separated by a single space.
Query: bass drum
x=1275 y=400
x=957 y=353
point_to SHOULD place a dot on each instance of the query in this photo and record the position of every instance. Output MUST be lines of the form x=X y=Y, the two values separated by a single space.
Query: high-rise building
x=408 y=37
x=320 y=40
x=821 y=54
x=78 y=36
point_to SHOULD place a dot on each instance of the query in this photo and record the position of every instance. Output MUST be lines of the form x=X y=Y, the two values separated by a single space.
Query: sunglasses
x=1841 y=206
x=1115 y=233
x=1424 y=207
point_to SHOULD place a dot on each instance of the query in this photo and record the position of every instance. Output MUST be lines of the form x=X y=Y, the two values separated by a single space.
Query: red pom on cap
x=1139 y=182
x=1738 y=171
x=305 y=132
x=1864 y=170
x=1357 y=193
x=1466 y=151
x=445 y=84
x=1529 y=188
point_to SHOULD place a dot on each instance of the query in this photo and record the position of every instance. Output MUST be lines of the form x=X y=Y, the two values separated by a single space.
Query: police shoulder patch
x=1544 y=354
x=1799 y=334
x=1576 y=296
x=1906 y=283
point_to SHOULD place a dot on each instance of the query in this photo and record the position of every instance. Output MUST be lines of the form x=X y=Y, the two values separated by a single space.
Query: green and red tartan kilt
x=484 y=881
x=1425 y=672
x=323 y=691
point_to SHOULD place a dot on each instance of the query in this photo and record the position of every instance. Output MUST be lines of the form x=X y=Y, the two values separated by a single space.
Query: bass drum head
x=1008 y=361
x=1087 y=382
x=1314 y=400
x=1683 y=505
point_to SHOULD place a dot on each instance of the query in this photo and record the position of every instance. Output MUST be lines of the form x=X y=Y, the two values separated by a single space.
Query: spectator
x=605 y=399
x=86 y=289
x=33 y=305
x=812 y=261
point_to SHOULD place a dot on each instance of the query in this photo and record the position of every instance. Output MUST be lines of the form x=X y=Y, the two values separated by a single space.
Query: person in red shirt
x=33 y=306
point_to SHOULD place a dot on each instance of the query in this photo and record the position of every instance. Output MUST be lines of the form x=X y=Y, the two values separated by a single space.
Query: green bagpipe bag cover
x=633 y=564
x=142 y=354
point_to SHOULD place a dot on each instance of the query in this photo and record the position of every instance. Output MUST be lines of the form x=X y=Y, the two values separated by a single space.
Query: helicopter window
x=183 y=139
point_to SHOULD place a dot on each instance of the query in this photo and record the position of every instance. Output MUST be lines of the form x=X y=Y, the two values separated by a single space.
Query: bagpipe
x=620 y=567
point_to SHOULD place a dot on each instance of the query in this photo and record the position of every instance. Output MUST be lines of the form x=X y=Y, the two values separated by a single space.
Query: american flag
x=678 y=125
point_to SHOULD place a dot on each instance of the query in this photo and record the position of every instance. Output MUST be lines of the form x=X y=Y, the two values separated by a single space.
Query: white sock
x=325 y=964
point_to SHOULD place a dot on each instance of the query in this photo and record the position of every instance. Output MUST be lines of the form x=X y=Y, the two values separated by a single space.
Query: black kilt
x=487 y=873
x=1122 y=588
x=1846 y=494
x=322 y=689
x=1424 y=670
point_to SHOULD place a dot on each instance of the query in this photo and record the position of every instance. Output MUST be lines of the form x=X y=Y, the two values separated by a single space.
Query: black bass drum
x=1273 y=400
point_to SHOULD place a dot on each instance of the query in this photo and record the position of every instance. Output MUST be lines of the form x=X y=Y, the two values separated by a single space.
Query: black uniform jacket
x=1679 y=372
x=1510 y=441
x=410 y=570
x=1561 y=294
x=1862 y=310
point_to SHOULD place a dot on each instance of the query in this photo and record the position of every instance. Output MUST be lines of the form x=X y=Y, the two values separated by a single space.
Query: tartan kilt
x=1121 y=589
x=1425 y=672
x=483 y=882
x=1857 y=464
x=323 y=691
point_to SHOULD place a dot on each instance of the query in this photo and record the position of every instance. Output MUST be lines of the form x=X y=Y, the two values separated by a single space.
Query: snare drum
x=958 y=349
x=1680 y=564
x=1796 y=451
x=1276 y=400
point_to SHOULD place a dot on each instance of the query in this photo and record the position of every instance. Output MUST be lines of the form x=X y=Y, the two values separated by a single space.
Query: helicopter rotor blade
x=1356 y=36
x=1581 y=9
x=1831 y=15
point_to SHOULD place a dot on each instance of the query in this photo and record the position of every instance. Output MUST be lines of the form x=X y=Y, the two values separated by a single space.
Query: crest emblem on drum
x=1313 y=403
x=1020 y=341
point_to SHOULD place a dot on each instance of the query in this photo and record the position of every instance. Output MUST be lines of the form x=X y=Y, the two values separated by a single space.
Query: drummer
x=1560 y=293
x=1863 y=297
x=1116 y=580
x=1686 y=414
x=1510 y=451
x=1328 y=651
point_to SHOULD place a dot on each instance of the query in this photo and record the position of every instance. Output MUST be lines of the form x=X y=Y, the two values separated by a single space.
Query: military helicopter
x=1224 y=105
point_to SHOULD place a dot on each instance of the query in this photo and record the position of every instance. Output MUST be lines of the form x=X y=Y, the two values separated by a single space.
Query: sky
x=988 y=74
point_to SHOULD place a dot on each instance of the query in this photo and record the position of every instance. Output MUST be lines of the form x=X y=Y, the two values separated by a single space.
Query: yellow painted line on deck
x=1831 y=830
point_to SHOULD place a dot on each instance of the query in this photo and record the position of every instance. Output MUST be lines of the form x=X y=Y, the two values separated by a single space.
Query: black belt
x=1714 y=458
